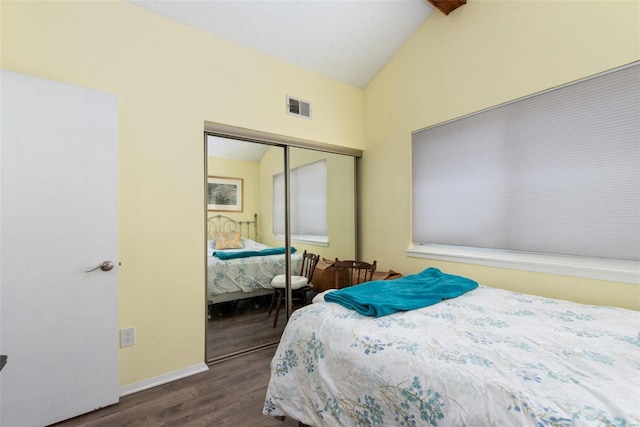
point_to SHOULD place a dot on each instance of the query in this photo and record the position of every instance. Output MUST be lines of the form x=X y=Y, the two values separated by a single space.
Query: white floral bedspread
x=487 y=358
x=246 y=274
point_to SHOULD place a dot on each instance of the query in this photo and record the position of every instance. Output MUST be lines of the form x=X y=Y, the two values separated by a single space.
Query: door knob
x=105 y=266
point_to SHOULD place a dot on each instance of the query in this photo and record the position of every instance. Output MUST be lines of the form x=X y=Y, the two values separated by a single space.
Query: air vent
x=298 y=107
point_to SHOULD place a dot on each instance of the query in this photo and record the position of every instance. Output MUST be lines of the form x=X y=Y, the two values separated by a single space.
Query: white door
x=58 y=218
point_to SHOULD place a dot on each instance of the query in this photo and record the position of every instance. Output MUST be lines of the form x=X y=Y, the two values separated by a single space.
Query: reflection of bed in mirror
x=241 y=272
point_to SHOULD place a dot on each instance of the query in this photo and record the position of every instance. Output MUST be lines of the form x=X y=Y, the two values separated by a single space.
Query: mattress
x=490 y=357
x=245 y=275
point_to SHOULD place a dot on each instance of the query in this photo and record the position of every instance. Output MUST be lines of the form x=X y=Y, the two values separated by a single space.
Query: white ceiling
x=235 y=149
x=346 y=40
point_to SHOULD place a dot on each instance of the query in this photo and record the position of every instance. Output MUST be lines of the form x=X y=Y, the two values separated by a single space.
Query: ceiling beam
x=447 y=6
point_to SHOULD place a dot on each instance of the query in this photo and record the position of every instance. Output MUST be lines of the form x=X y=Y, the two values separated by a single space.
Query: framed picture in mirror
x=224 y=194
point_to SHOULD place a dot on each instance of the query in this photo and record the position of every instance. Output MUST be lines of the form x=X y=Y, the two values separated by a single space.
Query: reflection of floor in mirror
x=242 y=324
x=231 y=308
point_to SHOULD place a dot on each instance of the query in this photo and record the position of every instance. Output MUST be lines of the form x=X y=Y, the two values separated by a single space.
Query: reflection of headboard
x=248 y=229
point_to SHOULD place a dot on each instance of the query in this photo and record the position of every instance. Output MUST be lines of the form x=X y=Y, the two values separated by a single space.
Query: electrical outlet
x=127 y=337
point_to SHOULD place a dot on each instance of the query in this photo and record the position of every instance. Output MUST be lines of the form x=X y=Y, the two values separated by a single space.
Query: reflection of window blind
x=555 y=173
x=308 y=192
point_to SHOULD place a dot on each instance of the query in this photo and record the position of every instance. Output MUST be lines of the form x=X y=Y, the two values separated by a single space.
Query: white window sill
x=591 y=268
x=308 y=239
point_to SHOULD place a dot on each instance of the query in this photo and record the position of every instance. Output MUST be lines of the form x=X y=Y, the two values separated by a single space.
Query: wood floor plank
x=241 y=330
x=230 y=393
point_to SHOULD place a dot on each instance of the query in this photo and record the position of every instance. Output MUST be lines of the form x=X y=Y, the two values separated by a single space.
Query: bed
x=244 y=277
x=489 y=357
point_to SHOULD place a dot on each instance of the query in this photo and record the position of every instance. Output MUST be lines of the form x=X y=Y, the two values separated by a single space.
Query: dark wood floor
x=230 y=393
x=241 y=325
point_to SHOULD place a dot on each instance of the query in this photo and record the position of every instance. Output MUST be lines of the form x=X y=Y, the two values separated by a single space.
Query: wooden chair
x=300 y=284
x=349 y=273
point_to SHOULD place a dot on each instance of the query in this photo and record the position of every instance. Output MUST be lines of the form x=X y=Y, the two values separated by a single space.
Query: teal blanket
x=247 y=254
x=382 y=297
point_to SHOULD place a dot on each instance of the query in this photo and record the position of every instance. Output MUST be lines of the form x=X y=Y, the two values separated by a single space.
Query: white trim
x=244 y=134
x=163 y=379
x=305 y=238
x=592 y=268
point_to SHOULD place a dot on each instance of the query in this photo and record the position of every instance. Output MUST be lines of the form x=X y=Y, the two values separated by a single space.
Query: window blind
x=554 y=173
x=308 y=197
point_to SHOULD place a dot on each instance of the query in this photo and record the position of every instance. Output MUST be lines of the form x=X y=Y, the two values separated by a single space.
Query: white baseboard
x=163 y=379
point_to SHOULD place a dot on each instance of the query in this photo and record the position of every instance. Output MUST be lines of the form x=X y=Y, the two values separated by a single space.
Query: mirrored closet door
x=247 y=240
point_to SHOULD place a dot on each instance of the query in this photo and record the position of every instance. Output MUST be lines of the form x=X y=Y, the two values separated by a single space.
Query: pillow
x=320 y=297
x=228 y=240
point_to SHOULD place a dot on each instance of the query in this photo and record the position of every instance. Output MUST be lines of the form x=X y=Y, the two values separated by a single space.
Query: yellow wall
x=272 y=163
x=250 y=173
x=341 y=203
x=483 y=54
x=170 y=79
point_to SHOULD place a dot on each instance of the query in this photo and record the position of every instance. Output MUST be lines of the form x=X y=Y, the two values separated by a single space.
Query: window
x=548 y=180
x=308 y=193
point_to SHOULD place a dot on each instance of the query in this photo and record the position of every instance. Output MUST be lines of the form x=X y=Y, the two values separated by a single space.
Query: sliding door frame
x=234 y=132
x=286 y=142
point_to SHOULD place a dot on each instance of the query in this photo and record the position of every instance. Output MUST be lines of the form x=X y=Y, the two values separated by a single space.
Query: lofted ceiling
x=235 y=149
x=346 y=40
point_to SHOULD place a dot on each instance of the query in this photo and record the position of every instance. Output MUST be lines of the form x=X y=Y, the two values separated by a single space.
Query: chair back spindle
x=351 y=272
x=309 y=262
